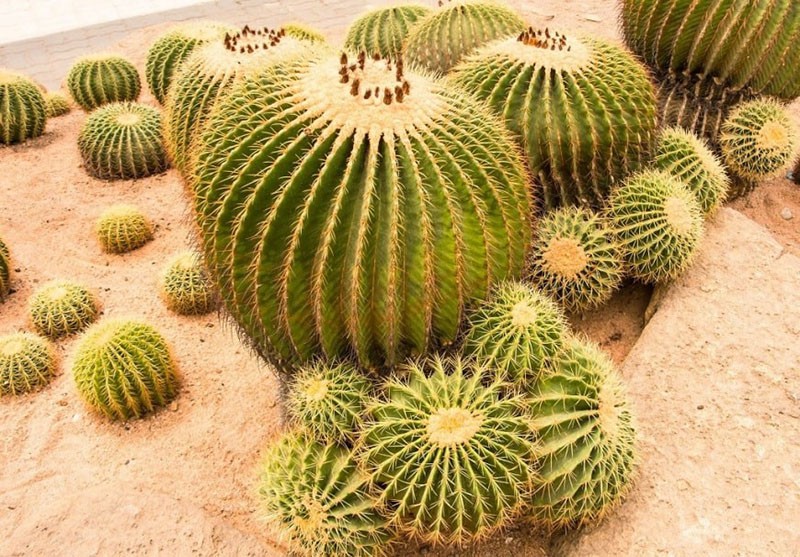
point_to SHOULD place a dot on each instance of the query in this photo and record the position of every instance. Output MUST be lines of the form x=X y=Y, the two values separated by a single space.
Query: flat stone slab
x=715 y=380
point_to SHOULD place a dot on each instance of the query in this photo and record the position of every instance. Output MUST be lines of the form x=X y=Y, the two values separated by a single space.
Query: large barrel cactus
x=439 y=41
x=383 y=31
x=584 y=109
x=5 y=271
x=23 y=112
x=103 y=78
x=349 y=207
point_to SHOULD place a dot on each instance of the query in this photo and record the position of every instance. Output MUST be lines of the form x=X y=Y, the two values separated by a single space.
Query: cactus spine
x=186 y=287
x=27 y=363
x=62 y=308
x=383 y=31
x=5 y=271
x=22 y=108
x=56 y=104
x=354 y=207
x=103 y=78
x=123 y=228
x=303 y=32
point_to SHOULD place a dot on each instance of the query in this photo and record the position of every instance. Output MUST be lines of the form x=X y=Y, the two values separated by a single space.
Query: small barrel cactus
x=516 y=332
x=439 y=41
x=101 y=79
x=329 y=400
x=659 y=223
x=123 y=228
x=587 y=450
x=186 y=287
x=57 y=104
x=62 y=308
x=23 y=113
x=303 y=32
x=576 y=259
x=123 y=140
x=124 y=369
x=319 y=500
x=168 y=52
x=5 y=271
x=599 y=95
x=27 y=363
x=689 y=159
x=383 y=31
x=391 y=204
x=451 y=454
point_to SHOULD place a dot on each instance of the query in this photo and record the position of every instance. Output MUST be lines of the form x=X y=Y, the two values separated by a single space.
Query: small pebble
x=786 y=214
x=173 y=406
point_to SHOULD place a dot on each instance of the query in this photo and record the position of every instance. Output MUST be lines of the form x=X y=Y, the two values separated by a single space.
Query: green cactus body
x=186 y=287
x=62 y=308
x=56 y=104
x=27 y=363
x=23 y=113
x=450 y=453
x=584 y=109
x=5 y=271
x=659 y=223
x=337 y=222
x=751 y=44
x=101 y=79
x=123 y=228
x=168 y=52
x=303 y=32
x=208 y=74
x=516 y=332
x=124 y=369
x=383 y=31
x=319 y=500
x=438 y=42
x=587 y=442
x=576 y=259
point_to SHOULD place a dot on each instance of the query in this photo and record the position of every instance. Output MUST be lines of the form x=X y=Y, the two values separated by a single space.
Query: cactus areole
x=351 y=207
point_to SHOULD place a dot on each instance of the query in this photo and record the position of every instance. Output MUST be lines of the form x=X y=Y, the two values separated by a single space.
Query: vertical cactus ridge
x=358 y=209
x=303 y=32
x=383 y=31
x=450 y=452
x=319 y=501
x=123 y=141
x=754 y=44
x=56 y=104
x=439 y=41
x=587 y=442
x=101 y=79
x=124 y=369
x=27 y=363
x=186 y=287
x=61 y=308
x=659 y=223
x=584 y=109
x=168 y=52
x=23 y=113
x=576 y=259
x=5 y=271
x=123 y=228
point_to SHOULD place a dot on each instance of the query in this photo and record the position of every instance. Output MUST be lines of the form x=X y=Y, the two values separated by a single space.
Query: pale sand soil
x=183 y=480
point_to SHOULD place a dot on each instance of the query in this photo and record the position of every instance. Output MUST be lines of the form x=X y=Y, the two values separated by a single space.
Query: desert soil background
x=183 y=482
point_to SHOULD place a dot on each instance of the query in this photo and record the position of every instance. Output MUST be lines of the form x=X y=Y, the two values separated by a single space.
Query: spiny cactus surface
x=23 y=113
x=27 y=363
x=186 y=286
x=123 y=228
x=56 y=104
x=348 y=206
x=61 y=308
x=101 y=79
x=383 y=31
x=303 y=32
x=5 y=271
x=584 y=109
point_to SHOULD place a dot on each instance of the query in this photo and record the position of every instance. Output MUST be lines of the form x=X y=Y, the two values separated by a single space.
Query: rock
x=786 y=214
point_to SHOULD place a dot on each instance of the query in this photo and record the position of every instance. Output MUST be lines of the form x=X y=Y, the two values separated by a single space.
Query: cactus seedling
x=383 y=31
x=587 y=454
x=186 y=287
x=22 y=108
x=62 y=308
x=124 y=369
x=5 y=271
x=103 y=78
x=56 y=104
x=27 y=363
x=123 y=228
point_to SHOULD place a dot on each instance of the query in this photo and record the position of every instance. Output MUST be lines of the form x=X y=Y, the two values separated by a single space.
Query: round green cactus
x=124 y=369
x=516 y=332
x=303 y=32
x=587 y=450
x=123 y=228
x=168 y=52
x=186 y=287
x=208 y=74
x=349 y=207
x=23 y=113
x=758 y=140
x=27 y=363
x=123 y=141
x=5 y=271
x=329 y=400
x=659 y=223
x=383 y=31
x=451 y=454
x=753 y=44
x=319 y=500
x=689 y=159
x=441 y=40
x=56 y=104
x=564 y=98
x=62 y=308
x=576 y=259
x=101 y=79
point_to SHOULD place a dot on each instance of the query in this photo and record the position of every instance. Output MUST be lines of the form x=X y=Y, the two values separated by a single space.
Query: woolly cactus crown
x=23 y=112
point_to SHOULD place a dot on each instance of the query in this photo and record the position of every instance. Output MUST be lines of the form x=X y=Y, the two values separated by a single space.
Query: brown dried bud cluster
x=543 y=39
x=353 y=74
x=250 y=40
